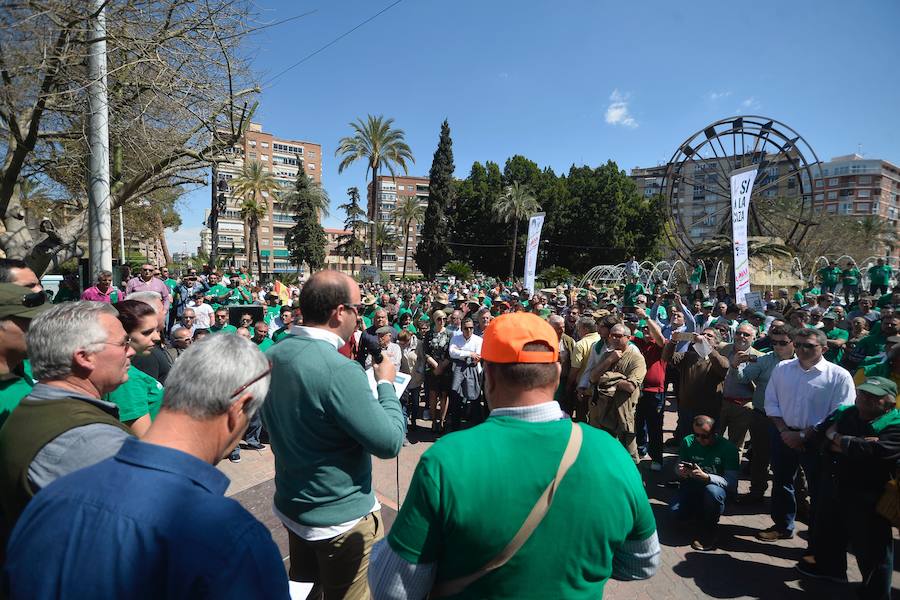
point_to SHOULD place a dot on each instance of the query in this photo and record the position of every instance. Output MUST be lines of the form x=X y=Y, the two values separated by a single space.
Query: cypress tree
x=306 y=239
x=433 y=250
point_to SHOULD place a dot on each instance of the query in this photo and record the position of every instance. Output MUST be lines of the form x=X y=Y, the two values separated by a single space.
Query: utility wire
x=269 y=82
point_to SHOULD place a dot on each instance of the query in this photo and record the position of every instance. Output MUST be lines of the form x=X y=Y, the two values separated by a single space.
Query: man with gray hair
x=152 y=521
x=79 y=352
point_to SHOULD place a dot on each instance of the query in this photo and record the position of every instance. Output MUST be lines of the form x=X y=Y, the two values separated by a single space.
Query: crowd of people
x=117 y=401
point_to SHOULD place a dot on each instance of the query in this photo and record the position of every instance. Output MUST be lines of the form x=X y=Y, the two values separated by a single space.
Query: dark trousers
x=785 y=463
x=847 y=521
x=698 y=499
x=254 y=429
x=648 y=424
x=880 y=288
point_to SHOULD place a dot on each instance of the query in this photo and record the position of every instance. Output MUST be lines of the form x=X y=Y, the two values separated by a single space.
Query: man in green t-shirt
x=708 y=467
x=850 y=281
x=837 y=338
x=261 y=336
x=221 y=324
x=829 y=275
x=633 y=289
x=472 y=493
x=879 y=277
x=17 y=307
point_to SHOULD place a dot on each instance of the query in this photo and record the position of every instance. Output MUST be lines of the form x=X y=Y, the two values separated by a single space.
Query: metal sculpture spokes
x=697 y=182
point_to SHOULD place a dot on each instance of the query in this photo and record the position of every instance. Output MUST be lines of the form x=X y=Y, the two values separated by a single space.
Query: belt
x=738 y=401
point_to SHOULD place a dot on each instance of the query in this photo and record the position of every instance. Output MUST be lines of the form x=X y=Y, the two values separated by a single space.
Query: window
x=264 y=144
x=863 y=207
x=833 y=181
x=863 y=193
x=846 y=208
x=865 y=179
x=819 y=183
x=253 y=155
x=253 y=143
x=820 y=197
x=831 y=209
x=832 y=195
x=265 y=157
x=312 y=166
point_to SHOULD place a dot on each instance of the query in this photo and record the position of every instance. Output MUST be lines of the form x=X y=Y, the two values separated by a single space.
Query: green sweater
x=325 y=424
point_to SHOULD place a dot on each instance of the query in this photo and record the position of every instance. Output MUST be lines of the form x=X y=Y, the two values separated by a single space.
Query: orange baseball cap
x=506 y=336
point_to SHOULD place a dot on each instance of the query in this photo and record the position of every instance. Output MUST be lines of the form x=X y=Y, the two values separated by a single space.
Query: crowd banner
x=741 y=188
x=535 y=223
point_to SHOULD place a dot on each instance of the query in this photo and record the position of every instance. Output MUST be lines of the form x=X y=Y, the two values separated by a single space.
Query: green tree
x=352 y=245
x=459 y=269
x=516 y=204
x=377 y=142
x=408 y=211
x=386 y=238
x=306 y=239
x=474 y=231
x=254 y=182
x=433 y=250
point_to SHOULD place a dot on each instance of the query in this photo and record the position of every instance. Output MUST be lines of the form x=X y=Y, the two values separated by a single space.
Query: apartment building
x=282 y=157
x=392 y=190
x=337 y=262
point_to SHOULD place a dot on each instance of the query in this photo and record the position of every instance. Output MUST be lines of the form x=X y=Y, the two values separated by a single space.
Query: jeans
x=254 y=429
x=695 y=498
x=828 y=288
x=648 y=424
x=785 y=463
x=848 y=521
x=880 y=288
x=685 y=423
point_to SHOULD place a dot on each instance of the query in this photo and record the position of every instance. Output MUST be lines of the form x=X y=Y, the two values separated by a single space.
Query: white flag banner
x=535 y=224
x=741 y=188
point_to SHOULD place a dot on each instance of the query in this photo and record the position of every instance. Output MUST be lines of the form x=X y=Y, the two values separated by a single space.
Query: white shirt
x=462 y=348
x=203 y=315
x=804 y=398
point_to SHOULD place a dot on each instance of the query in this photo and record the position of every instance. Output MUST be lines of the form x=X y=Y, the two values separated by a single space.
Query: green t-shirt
x=171 y=284
x=265 y=344
x=851 y=276
x=217 y=291
x=697 y=274
x=836 y=354
x=472 y=491
x=716 y=459
x=880 y=275
x=632 y=291
x=13 y=388
x=227 y=328
x=281 y=334
x=138 y=396
x=829 y=275
x=272 y=313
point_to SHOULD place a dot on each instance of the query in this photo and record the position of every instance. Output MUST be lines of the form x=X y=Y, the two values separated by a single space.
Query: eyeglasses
x=468 y=328
x=781 y=342
x=123 y=344
x=357 y=308
x=238 y=391
x=742 y=333
x=806 y=345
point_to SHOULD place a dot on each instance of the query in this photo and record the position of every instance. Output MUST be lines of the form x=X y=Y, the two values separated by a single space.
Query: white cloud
x=503 y=75
x=716 y=96
x=617 y=111
x=749 y=104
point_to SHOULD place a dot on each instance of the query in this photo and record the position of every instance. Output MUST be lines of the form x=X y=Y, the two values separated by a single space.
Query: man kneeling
x=708 y=467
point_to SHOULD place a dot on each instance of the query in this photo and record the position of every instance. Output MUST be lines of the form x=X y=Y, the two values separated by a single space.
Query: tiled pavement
x=742 y=567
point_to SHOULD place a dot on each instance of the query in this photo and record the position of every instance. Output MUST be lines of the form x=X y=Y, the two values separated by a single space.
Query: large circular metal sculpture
x=696 y=183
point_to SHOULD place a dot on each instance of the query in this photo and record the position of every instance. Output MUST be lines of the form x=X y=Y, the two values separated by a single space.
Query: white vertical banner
x=741 y=188
x=535 y=224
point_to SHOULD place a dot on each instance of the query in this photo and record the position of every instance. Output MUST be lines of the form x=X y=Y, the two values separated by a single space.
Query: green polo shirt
x=829 y=275
x=281 y=334
x=217 y=291
x=265 y=344
x=138 y=396
x=227 y=328
x=632 y=291
x=880 y=275
x=716 y=459
x=508 y=462
x=851 y=276
x=836 y=354
x=13 y=387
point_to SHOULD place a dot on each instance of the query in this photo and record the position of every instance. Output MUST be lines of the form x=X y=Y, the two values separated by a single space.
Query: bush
x=553 y=276
x=462 y=271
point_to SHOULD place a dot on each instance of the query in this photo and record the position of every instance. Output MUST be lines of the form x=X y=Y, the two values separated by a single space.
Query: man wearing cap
x=873 y=344
x=18 y=305
x=862 y=446
x=837 y=338
x=79 y=353
x=473 y=492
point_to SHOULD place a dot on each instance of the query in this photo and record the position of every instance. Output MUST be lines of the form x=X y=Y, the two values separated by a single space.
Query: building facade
x=380 y=208
x=282 y=158
x=334 y=260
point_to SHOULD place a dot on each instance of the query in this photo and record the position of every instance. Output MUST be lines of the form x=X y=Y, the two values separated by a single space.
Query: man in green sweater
x=324 y=425
x=479 y=492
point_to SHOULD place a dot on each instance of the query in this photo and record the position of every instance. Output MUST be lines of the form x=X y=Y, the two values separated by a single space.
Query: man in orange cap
x=482 y=493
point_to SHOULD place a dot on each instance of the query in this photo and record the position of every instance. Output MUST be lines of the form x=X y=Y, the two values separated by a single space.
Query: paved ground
x=742 y=567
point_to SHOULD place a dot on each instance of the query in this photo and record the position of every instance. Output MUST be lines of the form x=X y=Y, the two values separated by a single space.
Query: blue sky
x=573 y=82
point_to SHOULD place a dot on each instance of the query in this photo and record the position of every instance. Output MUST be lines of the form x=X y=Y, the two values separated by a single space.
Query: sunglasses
x=742 y=333
x=806 y=345
x=781 y=342
x=238 y=391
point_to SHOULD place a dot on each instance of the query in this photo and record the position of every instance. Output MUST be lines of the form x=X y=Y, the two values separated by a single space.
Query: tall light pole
x=99 y=236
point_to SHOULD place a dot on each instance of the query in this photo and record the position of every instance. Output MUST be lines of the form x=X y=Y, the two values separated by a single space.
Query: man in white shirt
x=800 y=394
x=465 y=352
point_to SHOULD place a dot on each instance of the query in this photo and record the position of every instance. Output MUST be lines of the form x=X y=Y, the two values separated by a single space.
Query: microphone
x=374 y=349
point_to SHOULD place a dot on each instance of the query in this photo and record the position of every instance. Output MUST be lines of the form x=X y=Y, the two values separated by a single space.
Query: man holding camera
x=708 y=468
x=324 y=426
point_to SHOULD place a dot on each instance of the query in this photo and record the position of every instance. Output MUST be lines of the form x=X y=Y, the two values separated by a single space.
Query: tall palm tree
x=385 y=238
x=516 y=203
x=376 y=141
x=250 y=185
x=408 y=210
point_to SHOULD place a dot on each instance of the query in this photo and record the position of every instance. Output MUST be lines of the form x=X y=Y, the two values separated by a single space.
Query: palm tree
x=516 y=203
x=380 y=145
x=408 y=210
x=385 y=237
x=253 y=182
x=878 y=231
x=311 y=192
